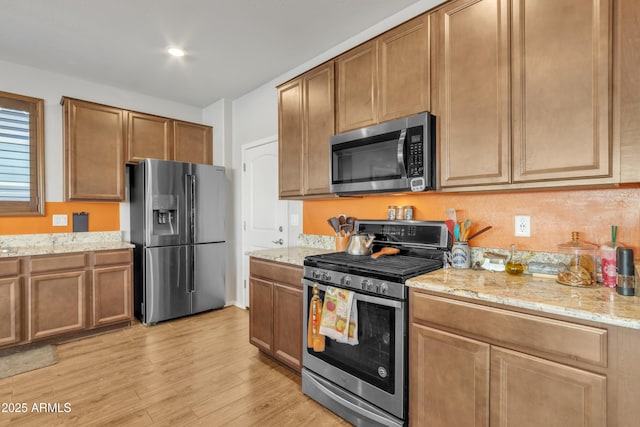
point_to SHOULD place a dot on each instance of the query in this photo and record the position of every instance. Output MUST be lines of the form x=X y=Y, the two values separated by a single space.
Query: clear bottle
x=514 y=264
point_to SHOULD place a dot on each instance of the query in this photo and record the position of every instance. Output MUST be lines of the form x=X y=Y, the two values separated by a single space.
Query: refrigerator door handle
x=189 y=264
x=193 y=208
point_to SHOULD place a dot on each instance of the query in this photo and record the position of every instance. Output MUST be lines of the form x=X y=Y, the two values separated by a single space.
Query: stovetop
x=396 y=268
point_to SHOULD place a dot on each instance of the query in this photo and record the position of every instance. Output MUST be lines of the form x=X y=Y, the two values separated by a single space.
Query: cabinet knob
x=278 y=242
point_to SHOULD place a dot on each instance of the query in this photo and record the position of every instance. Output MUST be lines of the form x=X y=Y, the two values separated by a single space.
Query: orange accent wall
x=102 y=217
x=554 y=214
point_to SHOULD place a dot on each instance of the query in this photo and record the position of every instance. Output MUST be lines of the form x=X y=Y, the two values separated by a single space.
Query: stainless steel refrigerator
x=178 y=227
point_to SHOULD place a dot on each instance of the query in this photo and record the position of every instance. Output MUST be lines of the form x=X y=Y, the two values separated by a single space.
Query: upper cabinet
x=192 y=143
x=99 y=139
x=385 y=78
x=93 y=151
x=148 y=137
x=305 y=123
x=521 y=95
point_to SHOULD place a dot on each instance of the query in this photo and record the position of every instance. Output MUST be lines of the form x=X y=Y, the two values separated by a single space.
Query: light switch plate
x=60 y=220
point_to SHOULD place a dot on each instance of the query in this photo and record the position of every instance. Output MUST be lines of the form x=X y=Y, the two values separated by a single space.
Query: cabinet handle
x=278 y=242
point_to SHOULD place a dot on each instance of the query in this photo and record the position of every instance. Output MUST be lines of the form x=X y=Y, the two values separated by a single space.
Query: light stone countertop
x=598 y=304
x=59 y=243
x=289 y=255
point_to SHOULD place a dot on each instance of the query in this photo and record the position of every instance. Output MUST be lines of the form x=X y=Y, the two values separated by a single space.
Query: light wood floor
x=196 y=371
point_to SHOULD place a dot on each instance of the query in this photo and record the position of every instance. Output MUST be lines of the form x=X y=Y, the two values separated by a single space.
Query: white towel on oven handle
x=339 y=316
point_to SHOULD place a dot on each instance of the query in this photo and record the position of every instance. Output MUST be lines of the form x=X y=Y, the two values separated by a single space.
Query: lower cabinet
x=57 y=304
x=275 y=310
x=64 y=295
x=477 y=381
x=10 y=302
x=111 y=288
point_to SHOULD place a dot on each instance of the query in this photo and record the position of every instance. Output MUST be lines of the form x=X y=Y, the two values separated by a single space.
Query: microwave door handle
x=401 y=141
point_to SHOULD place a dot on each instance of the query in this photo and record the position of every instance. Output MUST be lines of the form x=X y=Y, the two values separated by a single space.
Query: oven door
x=375 y=368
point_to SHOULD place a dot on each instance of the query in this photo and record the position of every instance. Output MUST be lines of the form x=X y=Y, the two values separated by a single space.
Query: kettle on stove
x=360 y=244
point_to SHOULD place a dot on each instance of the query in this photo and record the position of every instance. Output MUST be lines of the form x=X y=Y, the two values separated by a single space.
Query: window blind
x=15 y=173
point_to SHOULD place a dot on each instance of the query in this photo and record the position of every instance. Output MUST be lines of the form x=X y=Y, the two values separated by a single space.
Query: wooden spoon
x=385 y=251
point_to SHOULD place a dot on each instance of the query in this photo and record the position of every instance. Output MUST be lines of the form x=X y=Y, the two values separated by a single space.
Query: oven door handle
x=361 y=297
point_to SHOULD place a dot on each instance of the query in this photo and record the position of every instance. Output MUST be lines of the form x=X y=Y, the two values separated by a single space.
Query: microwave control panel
x=415 y=150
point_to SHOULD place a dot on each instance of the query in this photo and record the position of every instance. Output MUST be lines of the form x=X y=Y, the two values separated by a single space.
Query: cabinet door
x=56 y=304
x=357 y=75
x=287 y=325
x=10 y=313
x=449 y=379
x=561 y=101
x=319 y=125
x=528 y=391
x=261 y=314
x=404 y=62
x=193 y=143
x=111 y=295
x=148 y=137
x=93 y=151
x=290 y=136
x=472 y=109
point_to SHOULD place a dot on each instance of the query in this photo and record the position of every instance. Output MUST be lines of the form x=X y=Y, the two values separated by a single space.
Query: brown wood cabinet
x=521 y=96
x=479 y=365
x=57 y=295
x=93 y=151
x=471 y=96
x=111 y=288
x=192 y=142
x=65 y=295
x=385 y=78
x=275 y=311
x=148 y=137
x=10 y=302
x=306 y=121
x=290 y=136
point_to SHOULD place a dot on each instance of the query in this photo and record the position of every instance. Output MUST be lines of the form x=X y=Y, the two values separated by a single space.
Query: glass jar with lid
x=578 y=266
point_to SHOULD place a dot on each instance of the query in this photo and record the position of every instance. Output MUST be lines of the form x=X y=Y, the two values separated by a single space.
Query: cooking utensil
x=451 y=214
x=342 y=219
x=477 y=233
x=385 y=251
x=456 y=232
x=335 y=224
x=450 y=225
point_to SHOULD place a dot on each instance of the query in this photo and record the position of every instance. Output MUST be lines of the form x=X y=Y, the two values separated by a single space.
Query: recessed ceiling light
x=174 y=51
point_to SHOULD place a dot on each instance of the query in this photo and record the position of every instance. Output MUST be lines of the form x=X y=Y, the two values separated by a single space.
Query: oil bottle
x=514 y=264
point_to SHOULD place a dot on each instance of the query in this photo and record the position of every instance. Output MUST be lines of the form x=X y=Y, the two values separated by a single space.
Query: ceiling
x=233 y=46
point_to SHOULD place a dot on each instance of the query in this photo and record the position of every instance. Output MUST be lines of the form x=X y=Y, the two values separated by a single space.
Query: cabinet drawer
x=277 y=272
x=507 y=328
x=48 y=263
x=10 y=267
x=113 y=257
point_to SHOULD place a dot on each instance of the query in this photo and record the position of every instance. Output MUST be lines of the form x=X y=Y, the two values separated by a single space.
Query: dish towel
x=339 y=316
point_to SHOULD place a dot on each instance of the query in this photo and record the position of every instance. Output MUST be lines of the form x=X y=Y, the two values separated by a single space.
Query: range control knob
x=346 y=280
x=326 y=276
x=366 y=284
x=384 y=288
x=316 y=274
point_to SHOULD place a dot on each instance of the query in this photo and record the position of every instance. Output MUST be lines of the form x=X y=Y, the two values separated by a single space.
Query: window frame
x=35 y=107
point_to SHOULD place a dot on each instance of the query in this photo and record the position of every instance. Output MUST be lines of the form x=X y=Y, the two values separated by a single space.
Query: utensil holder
x=461 y=255
x=341 y=242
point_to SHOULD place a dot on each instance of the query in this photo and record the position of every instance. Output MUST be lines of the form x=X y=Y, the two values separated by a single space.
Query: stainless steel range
x=366 y=384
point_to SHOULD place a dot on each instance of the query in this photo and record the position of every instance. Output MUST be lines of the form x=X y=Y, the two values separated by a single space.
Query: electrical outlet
x=523 y=226
x=60 y=220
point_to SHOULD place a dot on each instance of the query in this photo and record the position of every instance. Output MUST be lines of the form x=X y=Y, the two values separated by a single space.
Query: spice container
x=408 y=212
x=578 y=267
x=391 y=212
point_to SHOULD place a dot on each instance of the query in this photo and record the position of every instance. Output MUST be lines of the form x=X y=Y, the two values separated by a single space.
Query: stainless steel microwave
x=394 y=156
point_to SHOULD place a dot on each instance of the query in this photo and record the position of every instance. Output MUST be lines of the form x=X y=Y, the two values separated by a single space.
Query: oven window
x=371 y=159
x=373 y=358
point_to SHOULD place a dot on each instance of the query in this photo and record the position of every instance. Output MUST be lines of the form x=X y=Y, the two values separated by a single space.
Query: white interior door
x=264 y=223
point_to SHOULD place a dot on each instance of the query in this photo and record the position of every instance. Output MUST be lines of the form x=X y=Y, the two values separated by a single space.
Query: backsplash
x=554 y=214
